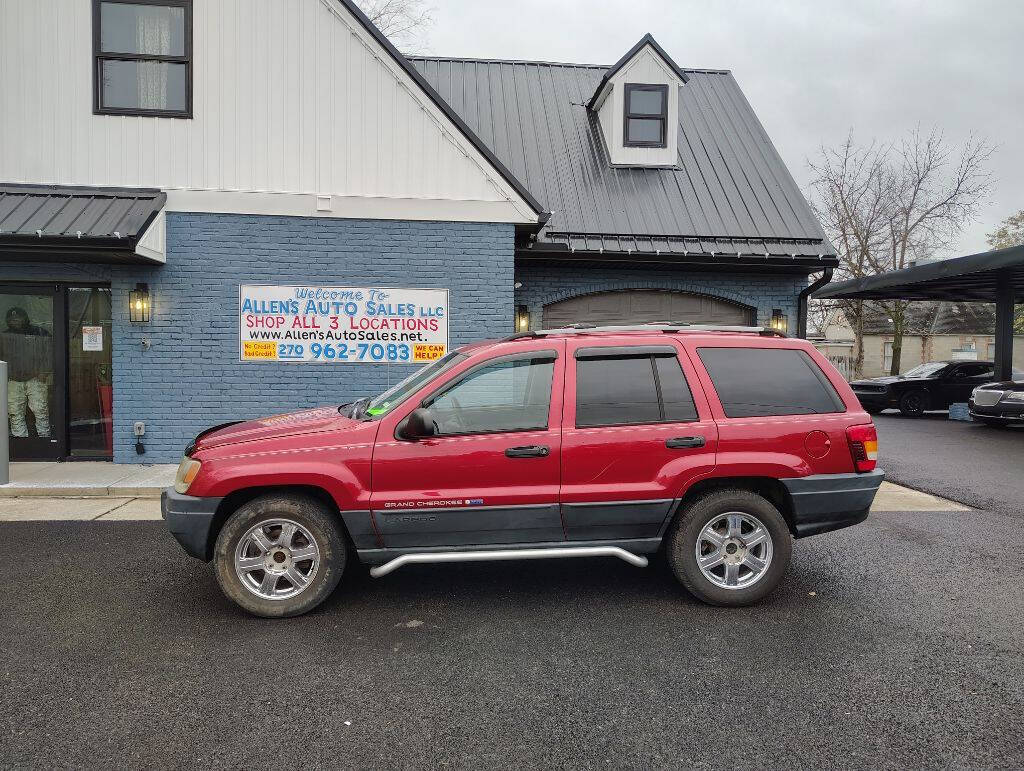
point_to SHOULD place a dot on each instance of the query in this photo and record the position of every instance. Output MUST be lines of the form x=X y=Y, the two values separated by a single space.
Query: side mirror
x=419 y=425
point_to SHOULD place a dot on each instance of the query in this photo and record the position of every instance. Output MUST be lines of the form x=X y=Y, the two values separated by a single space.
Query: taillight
x=863 y=446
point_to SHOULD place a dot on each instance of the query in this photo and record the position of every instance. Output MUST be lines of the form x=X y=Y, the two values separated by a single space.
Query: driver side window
x=975 y=370
x=502 y=396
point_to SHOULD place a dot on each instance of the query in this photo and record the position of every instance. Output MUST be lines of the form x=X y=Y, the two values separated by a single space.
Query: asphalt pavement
x=896 y=643
x=966 y=462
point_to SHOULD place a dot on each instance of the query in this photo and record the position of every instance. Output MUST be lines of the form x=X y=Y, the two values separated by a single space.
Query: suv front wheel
x=279 y=555
x=729 y=547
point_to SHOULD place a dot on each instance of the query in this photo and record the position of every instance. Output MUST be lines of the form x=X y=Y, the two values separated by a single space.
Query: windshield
x=383 y=404
x=928 y=369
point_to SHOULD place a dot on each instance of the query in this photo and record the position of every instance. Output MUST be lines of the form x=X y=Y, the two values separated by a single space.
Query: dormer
x=637 y=105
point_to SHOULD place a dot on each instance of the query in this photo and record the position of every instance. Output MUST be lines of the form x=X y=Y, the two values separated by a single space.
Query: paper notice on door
x=92 y=338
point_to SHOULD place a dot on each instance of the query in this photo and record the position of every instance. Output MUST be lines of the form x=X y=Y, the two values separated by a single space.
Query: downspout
x=801 y=301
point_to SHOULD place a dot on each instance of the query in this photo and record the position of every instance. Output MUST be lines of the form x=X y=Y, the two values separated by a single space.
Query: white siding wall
x=291 y=97
x=646 y=67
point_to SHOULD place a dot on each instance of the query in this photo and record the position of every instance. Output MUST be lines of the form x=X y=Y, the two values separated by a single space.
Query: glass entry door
x=90 y=392
x=32 y=342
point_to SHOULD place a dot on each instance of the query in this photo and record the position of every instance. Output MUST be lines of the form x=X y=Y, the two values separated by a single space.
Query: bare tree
x=1010 y=233
x=848 y=195
x=885 y=206
x=403 y=22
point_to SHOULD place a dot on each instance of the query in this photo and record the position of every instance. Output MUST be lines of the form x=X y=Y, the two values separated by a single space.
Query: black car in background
x=999 y=404
x=933 y=385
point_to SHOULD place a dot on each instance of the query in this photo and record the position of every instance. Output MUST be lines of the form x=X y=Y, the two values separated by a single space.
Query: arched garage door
x=640 y=306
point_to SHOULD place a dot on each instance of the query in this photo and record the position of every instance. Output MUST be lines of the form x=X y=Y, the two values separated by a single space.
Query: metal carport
x=990 y=277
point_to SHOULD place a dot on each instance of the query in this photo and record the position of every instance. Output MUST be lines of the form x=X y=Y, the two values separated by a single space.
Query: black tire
x=990 y=422
x=312 y=516
x=691 y=521
x=912 y=403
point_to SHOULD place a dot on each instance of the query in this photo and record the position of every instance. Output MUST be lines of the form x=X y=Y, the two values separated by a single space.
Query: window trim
x=663 y=117
x=99 y=57
x=649 y=352
x=544 y=355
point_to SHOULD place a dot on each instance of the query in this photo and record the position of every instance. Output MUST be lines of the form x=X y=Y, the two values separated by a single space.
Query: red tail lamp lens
x=863 y=446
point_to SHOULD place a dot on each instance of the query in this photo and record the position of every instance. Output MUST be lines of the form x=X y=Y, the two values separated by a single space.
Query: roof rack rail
x=669 y=328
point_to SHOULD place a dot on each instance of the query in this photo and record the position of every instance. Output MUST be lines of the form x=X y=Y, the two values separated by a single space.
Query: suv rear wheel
x=729 y=547
x=279 y=555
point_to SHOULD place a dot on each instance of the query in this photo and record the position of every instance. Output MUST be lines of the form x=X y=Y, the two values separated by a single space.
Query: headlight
x=1017 y=396
x=187 y=470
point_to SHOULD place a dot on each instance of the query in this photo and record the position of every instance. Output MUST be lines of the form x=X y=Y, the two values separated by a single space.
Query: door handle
x=529 y=451
x=683 y=442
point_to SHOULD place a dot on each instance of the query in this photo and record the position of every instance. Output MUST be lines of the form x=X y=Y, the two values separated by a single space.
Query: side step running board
x=508 y=554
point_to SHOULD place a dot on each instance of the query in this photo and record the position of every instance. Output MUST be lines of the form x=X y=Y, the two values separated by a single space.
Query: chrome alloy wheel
x=734 y=550
x=276 y=559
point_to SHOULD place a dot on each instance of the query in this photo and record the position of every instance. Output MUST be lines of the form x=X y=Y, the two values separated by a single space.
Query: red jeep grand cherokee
x=718 y=444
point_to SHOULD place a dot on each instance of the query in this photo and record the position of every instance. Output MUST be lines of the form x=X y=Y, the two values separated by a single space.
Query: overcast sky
x=812 y=70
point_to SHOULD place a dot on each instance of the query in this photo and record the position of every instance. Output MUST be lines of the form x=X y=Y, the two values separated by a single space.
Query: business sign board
x=312 y=323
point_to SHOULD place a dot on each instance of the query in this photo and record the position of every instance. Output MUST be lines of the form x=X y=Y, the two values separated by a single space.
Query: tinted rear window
x=615 y=391
x=624 y=389
x=675 y=393
x=759 y=382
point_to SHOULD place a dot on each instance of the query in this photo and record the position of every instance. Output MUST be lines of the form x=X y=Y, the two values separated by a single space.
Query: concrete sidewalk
x=53 y=508
x=88 y=479
x=39 y=509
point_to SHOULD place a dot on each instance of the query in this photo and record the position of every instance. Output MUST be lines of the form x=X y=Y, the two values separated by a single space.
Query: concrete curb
x=21 y=491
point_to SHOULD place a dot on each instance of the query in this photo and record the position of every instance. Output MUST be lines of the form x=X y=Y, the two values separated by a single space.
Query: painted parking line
x=890 y=497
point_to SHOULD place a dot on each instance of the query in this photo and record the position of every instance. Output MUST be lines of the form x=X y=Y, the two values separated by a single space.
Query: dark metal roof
x=451 y=114
x=646 y=40
x=974 y=277
x=56 y=219
x=730 y=184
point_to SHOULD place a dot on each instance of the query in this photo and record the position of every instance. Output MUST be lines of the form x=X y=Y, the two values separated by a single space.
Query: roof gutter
x=801 y=301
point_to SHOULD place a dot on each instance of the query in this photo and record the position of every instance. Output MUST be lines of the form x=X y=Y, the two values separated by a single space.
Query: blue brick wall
x=545 y=284
x=191 y=378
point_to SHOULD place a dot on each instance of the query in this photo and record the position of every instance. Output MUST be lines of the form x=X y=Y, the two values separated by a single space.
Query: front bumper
x=189 y=519
x=1003 y=410
x=876 y=400
x=824 y=502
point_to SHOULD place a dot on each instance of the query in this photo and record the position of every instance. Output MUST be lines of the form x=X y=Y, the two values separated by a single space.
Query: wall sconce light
x=138 y=304
x=522 y=318
x=780 y=321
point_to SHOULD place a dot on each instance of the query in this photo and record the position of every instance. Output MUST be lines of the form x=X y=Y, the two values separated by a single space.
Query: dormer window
x=646 y=115
x=637 y=107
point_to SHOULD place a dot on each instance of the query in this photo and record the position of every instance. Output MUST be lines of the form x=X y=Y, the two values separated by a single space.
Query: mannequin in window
x=28 y=352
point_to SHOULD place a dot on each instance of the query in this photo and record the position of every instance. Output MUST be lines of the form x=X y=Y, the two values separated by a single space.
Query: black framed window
x=142 y=57
x=646 y=115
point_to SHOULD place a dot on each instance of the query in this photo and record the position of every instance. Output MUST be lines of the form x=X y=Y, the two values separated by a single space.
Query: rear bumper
x=824 y=502
x=189 y=519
